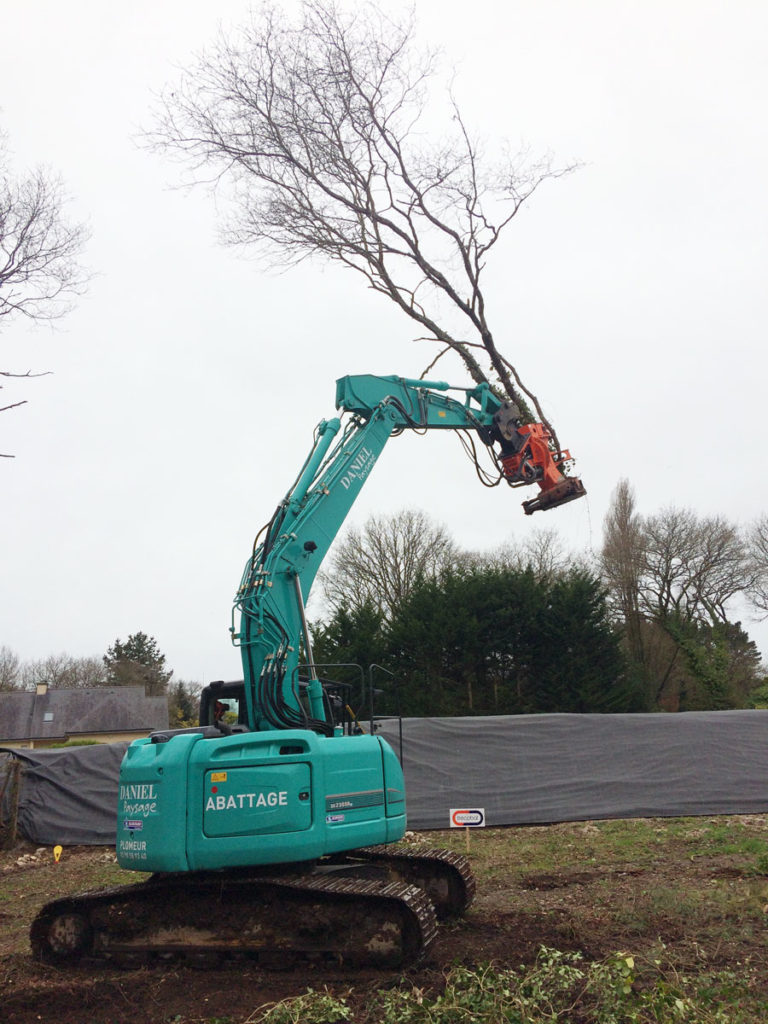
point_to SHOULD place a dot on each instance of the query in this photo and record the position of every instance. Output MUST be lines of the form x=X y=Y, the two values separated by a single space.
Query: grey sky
x=631 y=295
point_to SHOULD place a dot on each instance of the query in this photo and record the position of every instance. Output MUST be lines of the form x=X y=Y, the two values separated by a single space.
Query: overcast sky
x=185 y=386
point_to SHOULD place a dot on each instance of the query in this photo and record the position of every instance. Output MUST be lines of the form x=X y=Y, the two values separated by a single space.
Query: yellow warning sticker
x=218 y=776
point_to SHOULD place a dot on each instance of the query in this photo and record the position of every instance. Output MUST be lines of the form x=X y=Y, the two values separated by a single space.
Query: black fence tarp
x=522 y=769
x=69 y=796
x=529 y=769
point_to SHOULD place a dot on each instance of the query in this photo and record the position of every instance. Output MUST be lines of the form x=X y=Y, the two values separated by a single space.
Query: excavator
x=268 y=829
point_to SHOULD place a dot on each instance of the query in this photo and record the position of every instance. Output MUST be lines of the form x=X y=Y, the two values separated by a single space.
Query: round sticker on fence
x=467 y=817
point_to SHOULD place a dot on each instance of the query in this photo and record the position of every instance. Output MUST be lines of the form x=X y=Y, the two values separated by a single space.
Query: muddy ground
x=597 y=905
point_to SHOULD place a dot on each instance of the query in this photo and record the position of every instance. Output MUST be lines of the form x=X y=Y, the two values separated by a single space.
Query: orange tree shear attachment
x=536 y=460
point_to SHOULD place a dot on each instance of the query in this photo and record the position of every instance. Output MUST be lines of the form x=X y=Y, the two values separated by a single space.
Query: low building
x=104 y=714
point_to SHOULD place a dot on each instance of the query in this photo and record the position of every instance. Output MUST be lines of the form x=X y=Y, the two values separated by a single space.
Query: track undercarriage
x=374 y=907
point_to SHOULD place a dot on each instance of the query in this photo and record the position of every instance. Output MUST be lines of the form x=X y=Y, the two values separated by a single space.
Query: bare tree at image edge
x=316 y=128
x=757 y=546
x=40 y=273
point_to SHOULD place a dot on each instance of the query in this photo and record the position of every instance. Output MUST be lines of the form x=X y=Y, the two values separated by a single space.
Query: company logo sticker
x=133 y=825
x=467 y=817
x=334 y=819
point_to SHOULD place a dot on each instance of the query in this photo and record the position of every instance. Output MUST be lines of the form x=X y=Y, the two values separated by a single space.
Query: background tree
x=692 y=567
x=10 y=669
x=531 y=628
x=621 y=564
x=672 y=577
x=347 y=646
x=39 y=249
x=542 y=551
x=482 y=640
x=757 y=547
x=183 y=704
x=479 y=641
x=579 y=664
x=40 y=273
x=58 y=671
x=317 y=128
x=62 y=671
x=380 y=564
x=138 y=662
x=89 y=673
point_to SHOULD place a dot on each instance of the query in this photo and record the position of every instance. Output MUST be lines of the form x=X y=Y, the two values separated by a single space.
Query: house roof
x=59 y=713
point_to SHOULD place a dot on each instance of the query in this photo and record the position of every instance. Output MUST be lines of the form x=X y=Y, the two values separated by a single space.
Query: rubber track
x=415 y=915
x=422 y=916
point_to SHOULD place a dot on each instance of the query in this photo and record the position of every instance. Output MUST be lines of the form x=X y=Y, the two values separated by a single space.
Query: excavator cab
x=222 y=704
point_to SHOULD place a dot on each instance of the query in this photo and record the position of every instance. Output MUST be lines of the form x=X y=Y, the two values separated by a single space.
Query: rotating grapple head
x=528 y=455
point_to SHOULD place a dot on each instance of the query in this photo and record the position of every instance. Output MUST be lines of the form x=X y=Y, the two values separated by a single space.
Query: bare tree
x=672 y=577
x=542 y=551
x=757 y=544
x=40 y=273
x=87 y=673
x=10 y=669
x=692 y=567
x=318 y=129
x=381 y=563
x=55 y=670
x=64 y=672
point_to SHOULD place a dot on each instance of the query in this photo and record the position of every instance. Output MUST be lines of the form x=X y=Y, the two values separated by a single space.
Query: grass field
x=605 y=922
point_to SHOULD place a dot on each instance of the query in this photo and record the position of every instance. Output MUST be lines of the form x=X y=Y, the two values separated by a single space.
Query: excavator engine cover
x=269 y=797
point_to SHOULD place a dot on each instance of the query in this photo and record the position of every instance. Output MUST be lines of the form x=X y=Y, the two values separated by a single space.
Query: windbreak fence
x=520 y=769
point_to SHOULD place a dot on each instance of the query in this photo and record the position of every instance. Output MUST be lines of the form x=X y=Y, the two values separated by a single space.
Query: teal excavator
x=267 y=828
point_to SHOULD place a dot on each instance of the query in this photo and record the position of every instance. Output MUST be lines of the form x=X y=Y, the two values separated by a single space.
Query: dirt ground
x=596 y=908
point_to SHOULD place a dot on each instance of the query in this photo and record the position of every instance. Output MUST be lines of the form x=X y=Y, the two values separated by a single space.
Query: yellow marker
x=57 y=851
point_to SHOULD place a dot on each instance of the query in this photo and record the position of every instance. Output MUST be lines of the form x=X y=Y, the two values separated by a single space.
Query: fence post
x=12 y=784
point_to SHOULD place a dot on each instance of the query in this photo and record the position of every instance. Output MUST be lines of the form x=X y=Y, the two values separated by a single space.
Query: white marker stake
x=467 y=818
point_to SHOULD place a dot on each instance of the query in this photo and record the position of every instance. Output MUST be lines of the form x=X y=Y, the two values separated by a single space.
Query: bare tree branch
x=40 y=272
x=13 y=405
x=316 y=129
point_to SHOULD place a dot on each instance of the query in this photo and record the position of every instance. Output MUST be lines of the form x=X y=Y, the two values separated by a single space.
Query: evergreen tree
x=138 y=662
x=720 y=666
x=507 y=642
x=581 y=668
x=347 y=646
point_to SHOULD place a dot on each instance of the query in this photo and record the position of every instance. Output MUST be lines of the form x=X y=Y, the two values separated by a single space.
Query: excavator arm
x=288 y=553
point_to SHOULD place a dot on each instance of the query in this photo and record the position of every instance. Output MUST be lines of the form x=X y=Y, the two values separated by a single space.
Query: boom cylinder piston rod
x=314 y=686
